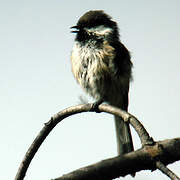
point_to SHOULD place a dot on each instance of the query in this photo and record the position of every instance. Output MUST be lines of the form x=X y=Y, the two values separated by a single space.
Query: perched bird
x=101 y=65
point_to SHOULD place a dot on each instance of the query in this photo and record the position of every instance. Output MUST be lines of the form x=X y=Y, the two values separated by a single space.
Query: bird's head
x=95 y=25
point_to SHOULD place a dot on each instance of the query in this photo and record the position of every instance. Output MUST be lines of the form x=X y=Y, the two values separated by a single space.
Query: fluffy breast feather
x=94 y=69
x=95 y=60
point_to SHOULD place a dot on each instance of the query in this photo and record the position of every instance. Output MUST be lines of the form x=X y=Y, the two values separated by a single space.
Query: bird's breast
x=93 y=68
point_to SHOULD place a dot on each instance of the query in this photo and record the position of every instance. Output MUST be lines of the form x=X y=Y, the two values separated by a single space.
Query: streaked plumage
x=101 y=65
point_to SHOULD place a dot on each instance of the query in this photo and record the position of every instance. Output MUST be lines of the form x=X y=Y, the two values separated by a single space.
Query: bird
x=102 y=66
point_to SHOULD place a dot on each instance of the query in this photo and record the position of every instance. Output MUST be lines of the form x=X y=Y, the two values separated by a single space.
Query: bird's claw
x=95 y=106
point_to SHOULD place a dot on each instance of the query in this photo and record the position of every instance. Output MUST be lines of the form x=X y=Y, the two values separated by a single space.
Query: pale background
x=36 y=82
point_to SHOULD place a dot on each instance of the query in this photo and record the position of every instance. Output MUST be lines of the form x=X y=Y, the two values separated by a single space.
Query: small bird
x=101 y=65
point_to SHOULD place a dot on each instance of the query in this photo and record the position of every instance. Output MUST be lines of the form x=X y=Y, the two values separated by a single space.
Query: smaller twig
x=166 y=171
x=143 y=134
x=44 y=133
x=139 y=128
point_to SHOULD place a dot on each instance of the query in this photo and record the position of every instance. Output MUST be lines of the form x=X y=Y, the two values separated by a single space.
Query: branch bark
x=142 y=159
x=166 y=170
x=150 y=152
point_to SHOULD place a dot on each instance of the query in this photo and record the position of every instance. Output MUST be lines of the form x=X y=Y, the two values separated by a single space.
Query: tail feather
x=124 y=138
x=123 y=134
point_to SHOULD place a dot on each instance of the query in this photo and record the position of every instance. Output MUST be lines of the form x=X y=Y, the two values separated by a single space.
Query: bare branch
x=128 y=163
x=44 y=133
x=143 y=134
x=166 y=170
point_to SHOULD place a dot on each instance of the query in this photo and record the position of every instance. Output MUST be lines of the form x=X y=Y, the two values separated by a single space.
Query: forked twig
x=143 y=134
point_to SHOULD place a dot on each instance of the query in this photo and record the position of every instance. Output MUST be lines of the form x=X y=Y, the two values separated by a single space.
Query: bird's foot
x=95 y=106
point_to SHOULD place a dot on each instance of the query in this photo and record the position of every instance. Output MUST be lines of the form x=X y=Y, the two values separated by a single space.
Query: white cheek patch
x=99 y=30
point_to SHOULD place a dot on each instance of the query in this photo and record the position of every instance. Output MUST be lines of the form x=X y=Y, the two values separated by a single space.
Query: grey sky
x=36 y=82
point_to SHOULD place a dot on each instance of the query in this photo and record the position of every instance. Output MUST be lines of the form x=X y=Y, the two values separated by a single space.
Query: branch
x=143 y=134
x=129 y=163
x=166 y=171
x=44 y=133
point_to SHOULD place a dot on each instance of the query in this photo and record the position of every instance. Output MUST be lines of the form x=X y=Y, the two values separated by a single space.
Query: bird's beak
x=75 y=27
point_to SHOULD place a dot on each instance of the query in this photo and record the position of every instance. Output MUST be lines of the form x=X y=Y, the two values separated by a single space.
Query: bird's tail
x=124 y=138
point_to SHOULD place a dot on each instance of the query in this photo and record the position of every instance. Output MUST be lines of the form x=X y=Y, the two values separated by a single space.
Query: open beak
x=76 y=29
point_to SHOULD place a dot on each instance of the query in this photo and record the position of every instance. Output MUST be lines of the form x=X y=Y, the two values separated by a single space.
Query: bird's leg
x=95 y=106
